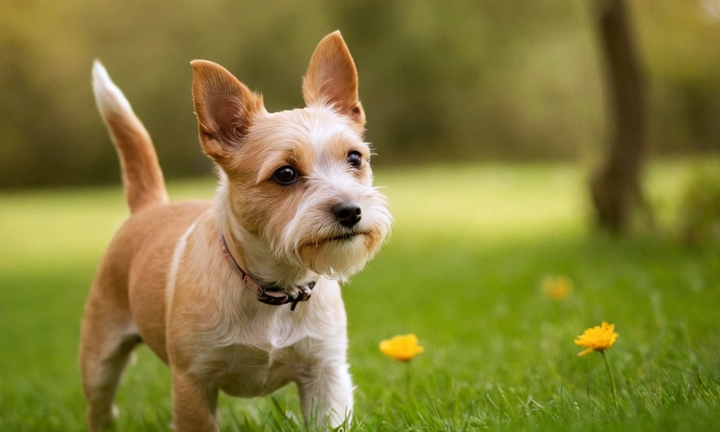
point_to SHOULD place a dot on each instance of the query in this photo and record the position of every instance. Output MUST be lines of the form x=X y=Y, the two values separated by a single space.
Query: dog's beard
x=317 y=241
x=340 y=258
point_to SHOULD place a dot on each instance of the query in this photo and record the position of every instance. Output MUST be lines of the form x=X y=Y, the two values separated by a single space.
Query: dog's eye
x=286 y=175
x=355 y=159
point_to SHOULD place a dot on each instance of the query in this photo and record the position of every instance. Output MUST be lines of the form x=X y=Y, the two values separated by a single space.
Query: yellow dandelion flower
x=401 y=348
x=598 y=338
x=557 y=288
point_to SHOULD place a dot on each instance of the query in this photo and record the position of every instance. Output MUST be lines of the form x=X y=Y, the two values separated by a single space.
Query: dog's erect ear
x=225 y=108
x=332 y=78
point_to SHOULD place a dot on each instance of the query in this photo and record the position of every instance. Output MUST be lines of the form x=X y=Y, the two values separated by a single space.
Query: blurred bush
x=700 y=206
x=440 y=81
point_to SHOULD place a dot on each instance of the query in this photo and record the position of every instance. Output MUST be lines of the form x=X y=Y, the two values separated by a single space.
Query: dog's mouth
x=339 y=238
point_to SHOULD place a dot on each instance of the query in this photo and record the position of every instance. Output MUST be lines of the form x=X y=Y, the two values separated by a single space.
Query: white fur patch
x=175 y=265
x=325 y=127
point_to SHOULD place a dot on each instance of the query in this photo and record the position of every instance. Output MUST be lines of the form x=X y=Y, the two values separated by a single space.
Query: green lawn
x=463 y=270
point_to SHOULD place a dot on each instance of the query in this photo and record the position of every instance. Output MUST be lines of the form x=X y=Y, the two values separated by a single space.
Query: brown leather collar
x=271 y=295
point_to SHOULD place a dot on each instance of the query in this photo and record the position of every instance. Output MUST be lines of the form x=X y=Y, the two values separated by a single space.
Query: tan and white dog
x=221 y=291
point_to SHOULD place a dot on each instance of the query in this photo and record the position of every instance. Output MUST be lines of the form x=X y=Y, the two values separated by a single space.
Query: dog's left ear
x=332 y=79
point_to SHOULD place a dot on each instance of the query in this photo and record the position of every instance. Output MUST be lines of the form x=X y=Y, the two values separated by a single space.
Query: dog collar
x=271 y=295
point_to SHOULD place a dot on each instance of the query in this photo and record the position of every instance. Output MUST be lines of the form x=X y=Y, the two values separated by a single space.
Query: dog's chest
x=250 y=371
x=256 y=357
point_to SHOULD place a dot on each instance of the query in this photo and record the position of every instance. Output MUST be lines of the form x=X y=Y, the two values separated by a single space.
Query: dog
x=240 y=294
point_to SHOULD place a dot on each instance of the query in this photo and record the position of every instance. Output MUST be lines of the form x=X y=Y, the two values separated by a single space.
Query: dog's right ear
x=332 y=79
x=225 y=108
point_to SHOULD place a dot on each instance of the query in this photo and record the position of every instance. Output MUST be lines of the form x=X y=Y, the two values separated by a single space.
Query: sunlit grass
x=488 y=201
x=464 y=271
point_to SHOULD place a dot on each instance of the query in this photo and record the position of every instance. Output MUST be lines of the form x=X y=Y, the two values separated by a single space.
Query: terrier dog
x=240 y=295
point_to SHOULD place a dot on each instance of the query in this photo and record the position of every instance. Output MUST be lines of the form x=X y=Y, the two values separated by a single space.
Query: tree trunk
x=615 y=185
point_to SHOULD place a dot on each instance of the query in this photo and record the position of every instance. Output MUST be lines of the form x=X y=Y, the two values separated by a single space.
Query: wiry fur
x=164 y=279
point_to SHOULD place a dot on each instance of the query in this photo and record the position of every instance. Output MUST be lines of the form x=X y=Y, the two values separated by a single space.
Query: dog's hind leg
x=108 y=338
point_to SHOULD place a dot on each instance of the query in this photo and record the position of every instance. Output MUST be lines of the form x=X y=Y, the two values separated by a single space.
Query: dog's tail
x=142 y=177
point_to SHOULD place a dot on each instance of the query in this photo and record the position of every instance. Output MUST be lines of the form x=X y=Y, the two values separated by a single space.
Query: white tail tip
x=108 y=97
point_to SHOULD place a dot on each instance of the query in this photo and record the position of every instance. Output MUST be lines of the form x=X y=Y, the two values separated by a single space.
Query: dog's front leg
x=194 y=403
x=326 y=395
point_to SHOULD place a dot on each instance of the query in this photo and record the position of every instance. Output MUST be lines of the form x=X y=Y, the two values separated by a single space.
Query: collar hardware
x=268 y=294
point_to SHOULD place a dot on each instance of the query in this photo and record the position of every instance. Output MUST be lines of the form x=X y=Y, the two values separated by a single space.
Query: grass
x=471 y=247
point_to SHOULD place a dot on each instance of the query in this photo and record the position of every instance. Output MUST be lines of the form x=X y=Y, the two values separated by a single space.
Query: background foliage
x=464 y=80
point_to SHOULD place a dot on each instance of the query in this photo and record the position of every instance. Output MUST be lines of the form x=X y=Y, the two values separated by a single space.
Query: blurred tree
x=616 y=185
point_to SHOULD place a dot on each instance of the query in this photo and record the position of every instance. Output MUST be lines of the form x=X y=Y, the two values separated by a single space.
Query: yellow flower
x=557 y=287
x=598 y=338
x=402 y=348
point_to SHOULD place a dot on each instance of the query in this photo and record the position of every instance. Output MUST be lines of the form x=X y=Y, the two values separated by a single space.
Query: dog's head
x=298 y=180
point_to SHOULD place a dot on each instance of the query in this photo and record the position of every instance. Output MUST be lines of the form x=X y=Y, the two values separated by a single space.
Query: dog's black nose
x=347 y=213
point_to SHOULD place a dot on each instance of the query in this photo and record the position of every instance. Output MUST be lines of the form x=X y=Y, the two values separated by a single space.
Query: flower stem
x=407 y=378
x=612 y=380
